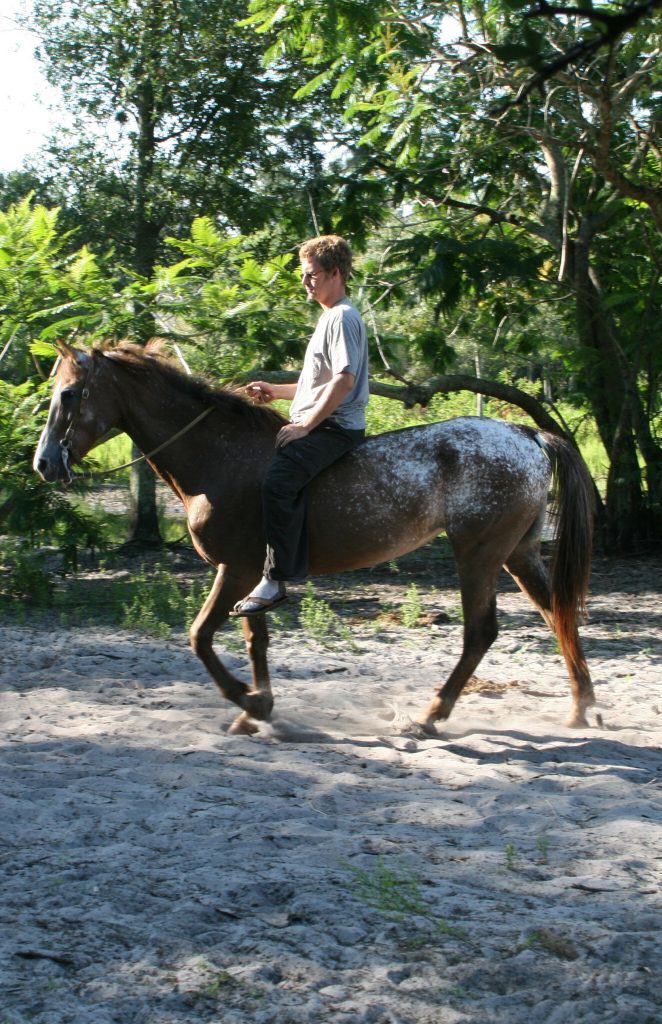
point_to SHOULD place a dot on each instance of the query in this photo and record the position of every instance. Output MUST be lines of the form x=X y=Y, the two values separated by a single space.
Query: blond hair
x=331 y=252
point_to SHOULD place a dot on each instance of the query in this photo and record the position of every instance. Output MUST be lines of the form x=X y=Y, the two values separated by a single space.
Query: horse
x=484 y=482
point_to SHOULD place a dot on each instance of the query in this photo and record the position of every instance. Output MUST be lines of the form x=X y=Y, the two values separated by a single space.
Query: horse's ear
x=68 y=352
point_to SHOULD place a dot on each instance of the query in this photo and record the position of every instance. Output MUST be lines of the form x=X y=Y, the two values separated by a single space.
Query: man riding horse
x=327 y=414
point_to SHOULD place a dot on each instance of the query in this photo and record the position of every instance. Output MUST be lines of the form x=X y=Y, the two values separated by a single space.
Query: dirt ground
x=334 y=868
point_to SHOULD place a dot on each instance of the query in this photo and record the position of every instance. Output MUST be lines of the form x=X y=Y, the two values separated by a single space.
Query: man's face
x=321 y=285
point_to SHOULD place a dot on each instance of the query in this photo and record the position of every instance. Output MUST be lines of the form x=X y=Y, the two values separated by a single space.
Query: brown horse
x=482 y=481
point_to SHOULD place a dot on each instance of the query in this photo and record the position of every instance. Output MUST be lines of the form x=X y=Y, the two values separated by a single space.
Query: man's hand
x=260 y=392
x=290 y=432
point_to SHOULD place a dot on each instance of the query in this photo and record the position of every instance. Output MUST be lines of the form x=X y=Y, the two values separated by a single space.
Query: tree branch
x=616 y=25
x=422 y=394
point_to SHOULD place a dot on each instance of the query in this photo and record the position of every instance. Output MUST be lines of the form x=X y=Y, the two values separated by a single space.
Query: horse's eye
x=67 y=396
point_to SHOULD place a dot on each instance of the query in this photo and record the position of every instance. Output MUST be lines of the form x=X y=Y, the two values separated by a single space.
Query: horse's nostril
x=45 y=469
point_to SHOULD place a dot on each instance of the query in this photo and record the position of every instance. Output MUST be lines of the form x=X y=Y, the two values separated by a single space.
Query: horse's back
x=399 y=489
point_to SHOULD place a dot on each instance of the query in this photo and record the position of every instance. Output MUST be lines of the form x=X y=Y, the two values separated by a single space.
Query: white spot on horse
x=469 y=467
x=498 y=468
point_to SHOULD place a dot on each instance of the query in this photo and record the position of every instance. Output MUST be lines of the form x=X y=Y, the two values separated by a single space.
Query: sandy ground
x=158 y=871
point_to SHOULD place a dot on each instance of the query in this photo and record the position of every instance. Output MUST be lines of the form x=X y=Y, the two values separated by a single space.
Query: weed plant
x=542 y=846
x=411 y=608
x=396 y=894
x=25 y=578
x=320 y=622
x=390 y=892
x=156 y=603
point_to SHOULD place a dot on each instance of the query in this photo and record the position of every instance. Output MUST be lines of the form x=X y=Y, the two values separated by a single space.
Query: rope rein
x=89 y=474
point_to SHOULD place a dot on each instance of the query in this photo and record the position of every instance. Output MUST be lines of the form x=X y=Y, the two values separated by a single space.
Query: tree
x=175 y=118
x=41 y=282
x=567 y=181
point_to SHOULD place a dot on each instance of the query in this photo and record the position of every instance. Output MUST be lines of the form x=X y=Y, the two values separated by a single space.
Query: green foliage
x=411 y=608
x=24 y=577
x=233 y=302
x=216 y=988
x=396 y=893
x=49 y=290
x=37 y=512
x=511 y=856
x=31 y=257
x=542 y=845
x=320 y=621
x=153 y=602
x=173 y=116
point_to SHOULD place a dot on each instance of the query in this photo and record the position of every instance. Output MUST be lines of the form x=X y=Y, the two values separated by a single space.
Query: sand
x=158 y=871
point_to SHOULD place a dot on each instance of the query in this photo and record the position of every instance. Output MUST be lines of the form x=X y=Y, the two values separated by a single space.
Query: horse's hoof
x=242 y=726
x=577 y=720
x=426 y=727
x=258 y=705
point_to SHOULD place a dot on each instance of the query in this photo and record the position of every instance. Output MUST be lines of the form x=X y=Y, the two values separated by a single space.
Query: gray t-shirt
x=339 y=343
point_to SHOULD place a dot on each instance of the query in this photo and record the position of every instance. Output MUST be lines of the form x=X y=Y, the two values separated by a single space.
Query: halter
x=65 y=444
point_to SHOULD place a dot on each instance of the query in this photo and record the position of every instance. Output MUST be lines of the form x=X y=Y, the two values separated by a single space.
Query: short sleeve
x=344 y=341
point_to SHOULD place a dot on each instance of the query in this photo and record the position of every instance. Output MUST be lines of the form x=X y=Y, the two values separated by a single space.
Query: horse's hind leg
x=529 y=572
x=478 y=590
x=226 y=591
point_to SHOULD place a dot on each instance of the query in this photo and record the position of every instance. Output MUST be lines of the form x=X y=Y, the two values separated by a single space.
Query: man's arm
x=329 y=399
x=262 y=392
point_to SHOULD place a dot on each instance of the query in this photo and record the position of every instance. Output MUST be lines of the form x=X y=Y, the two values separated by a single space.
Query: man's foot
x=265 y=596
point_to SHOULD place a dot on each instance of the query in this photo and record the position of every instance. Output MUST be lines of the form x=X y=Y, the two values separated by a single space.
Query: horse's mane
x=152 y=363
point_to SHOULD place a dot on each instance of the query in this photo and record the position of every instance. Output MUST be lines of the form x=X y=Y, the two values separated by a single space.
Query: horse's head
x=78 y=416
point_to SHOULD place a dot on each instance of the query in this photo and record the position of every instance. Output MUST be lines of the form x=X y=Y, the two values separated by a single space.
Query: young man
x=327 y=413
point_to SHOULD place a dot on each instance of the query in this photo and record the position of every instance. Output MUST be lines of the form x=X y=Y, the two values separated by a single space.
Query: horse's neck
x=152 y=418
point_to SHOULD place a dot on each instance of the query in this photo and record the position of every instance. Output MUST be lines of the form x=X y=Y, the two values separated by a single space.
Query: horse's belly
x=378 y=518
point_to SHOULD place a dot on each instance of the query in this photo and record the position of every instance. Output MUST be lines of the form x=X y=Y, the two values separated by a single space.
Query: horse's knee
x=200 y=640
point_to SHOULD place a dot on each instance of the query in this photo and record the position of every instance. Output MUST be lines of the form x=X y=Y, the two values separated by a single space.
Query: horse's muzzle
x=49 y=464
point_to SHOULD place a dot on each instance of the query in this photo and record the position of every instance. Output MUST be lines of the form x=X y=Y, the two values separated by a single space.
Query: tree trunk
x=606 y=388
x=624 y=493
x=144 y=519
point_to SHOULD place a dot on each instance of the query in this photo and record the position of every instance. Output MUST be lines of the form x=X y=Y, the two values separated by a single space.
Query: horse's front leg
x=257 y=641
x=226 y=591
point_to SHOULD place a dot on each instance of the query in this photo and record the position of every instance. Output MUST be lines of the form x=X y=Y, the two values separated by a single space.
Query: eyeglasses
x=312 y=277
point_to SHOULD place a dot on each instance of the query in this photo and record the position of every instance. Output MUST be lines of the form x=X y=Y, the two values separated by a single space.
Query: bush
x=37 y=512
x=25 y=577
x=320 y=621
x=157 y=604
x=411 y=608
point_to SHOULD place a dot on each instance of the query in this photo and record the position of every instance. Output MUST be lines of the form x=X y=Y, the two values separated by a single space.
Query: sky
x=25 y=96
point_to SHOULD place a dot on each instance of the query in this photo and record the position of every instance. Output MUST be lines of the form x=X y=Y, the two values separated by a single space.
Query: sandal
x=257 y=605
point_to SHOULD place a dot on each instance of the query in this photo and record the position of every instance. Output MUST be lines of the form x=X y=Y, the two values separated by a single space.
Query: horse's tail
x=571 y=563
